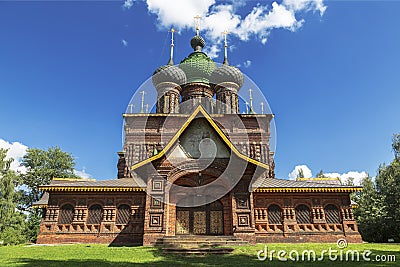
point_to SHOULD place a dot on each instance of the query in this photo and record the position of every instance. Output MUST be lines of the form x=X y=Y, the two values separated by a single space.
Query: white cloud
x=16 y=150
x=261 y=21
x=212 y=51
x=217 y=17
x=247 y=63
x=82 y=174
x=264 y=40
x=306 y=171
x=306 y=5
x=127 y=4
x=344 y=177
x=221 y=18
x=179 y=13
x=124 y=42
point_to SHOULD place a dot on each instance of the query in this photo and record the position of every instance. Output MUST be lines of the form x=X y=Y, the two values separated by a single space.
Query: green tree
x=378 y=214
x=42 y=166
x=12 y=221
x=353 y=196
x=396 y=146
x=371 y=213
x=300 y=173
x=388 y=184
x=321 y=174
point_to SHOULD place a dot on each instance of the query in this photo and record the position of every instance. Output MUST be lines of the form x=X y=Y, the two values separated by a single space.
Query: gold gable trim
x=308 y=189
x=89 y=188
x=201 y=110
x=319 y=179
x=74 y=179
x=41 y=206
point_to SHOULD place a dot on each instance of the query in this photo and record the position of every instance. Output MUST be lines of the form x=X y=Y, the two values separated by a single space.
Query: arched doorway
x=203 y=220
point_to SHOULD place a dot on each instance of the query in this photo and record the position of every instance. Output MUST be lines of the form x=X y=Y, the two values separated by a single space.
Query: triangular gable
x=171 y=143
x=201 y=141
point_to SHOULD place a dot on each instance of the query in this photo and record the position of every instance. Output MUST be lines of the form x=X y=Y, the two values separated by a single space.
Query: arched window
x=332 y=214
x=123 y=214
x=66 y=214
x=95 y=214
x=303 y=214
x=274 y=214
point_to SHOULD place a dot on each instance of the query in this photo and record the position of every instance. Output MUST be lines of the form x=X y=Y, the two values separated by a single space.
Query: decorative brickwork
x=163 y=175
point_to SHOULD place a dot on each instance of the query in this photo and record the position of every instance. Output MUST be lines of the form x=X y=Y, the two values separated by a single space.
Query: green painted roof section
x=197 y=67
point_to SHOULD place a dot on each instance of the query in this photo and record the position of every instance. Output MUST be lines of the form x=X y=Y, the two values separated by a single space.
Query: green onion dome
x=168 y=73
x=197 y=66
x=227 y=73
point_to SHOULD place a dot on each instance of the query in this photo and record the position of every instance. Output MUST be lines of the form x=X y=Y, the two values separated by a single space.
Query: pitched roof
x=123 y=184
x=200 y=110
x=324 y=180
x=42 y=202
x=281 y=185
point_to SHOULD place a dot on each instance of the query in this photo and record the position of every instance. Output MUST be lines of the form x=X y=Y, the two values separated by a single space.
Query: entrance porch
x=204 y=220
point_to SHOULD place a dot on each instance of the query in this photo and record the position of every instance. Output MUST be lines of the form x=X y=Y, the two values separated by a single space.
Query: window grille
x=332 y=214
x=66 y=214
x=274 y=214
x=123 y=214
x=95 y=214
x=303 y=215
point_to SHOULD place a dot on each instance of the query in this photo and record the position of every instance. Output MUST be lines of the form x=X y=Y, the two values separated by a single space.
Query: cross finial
x=197 y=21
x=142 y=105
x=171 y=56
x=130 y=106
x=225 y=33
x=251 y=99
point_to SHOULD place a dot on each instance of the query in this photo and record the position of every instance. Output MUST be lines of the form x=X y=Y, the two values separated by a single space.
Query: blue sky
x=331 y=76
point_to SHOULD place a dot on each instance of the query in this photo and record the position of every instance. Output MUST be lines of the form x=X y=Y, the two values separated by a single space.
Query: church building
x=197 y=167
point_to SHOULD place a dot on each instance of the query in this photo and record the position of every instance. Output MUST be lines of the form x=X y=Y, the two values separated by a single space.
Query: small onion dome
x=197 y=43
x=227 y=73
x=168 y=73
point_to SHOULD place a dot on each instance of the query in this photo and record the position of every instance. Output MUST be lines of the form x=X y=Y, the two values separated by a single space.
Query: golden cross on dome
x=251 y=99
x=142 y=104
x=172 y=35
x=197 y=21
x=130 y=106
x=225 y=33
x=171 y=55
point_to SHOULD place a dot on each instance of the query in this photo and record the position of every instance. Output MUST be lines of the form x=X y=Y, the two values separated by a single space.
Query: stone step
x=198 y=250
x=233 y=243
x=191 y=241
x=199 y=240
x=200 y=237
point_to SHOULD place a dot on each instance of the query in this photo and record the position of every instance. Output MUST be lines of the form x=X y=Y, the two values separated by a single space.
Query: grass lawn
x=102 y=255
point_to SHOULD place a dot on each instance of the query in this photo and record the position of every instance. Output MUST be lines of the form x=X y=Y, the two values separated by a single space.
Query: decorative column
x=168 y=97
x=227 y=98
x=154 y=219
x=289 y=217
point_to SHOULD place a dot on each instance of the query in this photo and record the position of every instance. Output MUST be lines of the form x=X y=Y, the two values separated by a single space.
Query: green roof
x=197 y=67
